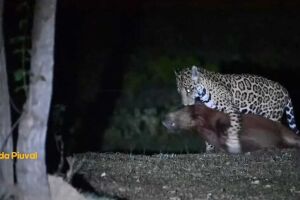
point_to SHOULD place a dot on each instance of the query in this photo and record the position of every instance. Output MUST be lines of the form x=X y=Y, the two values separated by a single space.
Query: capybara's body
x=257 y=132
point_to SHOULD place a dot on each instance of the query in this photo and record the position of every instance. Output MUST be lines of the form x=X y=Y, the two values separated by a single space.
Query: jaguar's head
x=189 y=85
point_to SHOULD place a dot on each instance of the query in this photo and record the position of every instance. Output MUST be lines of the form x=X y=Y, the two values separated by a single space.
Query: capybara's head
x=197 y=117
x=179 y=120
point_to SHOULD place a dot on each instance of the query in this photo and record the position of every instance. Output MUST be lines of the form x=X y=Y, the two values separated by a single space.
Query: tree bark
x=32 y=174
x=6 y=143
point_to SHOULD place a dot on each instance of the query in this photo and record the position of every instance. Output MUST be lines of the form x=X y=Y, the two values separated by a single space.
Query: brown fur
x=257 y=132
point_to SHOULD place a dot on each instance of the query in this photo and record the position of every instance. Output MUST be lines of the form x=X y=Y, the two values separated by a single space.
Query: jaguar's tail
x=289 y=111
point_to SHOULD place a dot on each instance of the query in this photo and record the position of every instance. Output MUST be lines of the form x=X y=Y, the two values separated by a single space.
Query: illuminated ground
x=259 y=175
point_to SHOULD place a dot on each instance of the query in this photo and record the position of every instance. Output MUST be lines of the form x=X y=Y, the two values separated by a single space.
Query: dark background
x=114 y=63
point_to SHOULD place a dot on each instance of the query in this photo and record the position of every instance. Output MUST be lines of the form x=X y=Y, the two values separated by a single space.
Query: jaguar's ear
x=176 y=72
x=195 y=73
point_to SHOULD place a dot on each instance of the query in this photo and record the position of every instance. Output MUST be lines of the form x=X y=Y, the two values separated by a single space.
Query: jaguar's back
x=257 y=95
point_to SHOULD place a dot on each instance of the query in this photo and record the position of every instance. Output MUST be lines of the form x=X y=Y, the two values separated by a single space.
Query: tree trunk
x=32 y=174
x=6 y=143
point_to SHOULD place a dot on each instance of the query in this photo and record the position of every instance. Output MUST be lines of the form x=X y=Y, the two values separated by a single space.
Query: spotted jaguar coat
x=235 y=94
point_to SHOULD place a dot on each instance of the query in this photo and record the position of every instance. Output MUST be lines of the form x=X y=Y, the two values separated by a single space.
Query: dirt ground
x=268 y=174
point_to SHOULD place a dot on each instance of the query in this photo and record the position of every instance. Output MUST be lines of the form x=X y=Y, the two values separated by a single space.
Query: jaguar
x=235 y=94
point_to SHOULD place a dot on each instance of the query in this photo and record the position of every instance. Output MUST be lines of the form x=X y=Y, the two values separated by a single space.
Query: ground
x=268 y=174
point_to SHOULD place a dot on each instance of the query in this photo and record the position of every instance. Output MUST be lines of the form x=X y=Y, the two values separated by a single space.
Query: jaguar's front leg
x=232 y=133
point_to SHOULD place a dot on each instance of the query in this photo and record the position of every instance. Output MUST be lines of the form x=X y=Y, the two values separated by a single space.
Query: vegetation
x=149 y=92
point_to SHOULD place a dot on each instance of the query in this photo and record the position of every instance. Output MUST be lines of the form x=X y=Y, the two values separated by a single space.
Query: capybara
x=257 y=132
